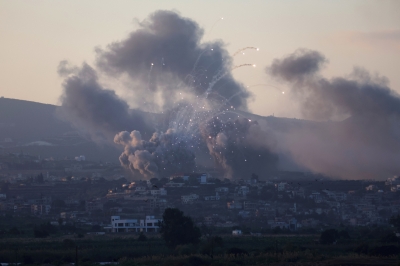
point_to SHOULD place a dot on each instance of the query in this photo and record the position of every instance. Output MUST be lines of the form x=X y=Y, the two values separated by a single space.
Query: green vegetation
x=177 y=229
x=134 y=249
x=33 y=241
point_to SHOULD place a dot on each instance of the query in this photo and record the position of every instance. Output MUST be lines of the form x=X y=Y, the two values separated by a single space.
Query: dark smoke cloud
x=164 y=154
x=166 y=68
x=239 y=147
x=298 y=65
x=88 y=105
x=366 y=142
x=166 y=55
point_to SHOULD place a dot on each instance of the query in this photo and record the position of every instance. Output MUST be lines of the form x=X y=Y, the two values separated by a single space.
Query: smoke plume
x=364 y=141
x=86 y=104
x=168 y=70
x=166 y=56
x=239 y=147
x=164 y=154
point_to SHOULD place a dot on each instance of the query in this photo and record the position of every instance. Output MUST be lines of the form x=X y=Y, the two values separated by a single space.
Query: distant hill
x=29 y=121
x=34 y=128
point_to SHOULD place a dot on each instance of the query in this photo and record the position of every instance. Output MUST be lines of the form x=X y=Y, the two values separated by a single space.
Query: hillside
x=34 y=128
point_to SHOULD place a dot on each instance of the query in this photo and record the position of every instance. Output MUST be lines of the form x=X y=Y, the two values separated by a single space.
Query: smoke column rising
x=165 y=65
x=364 y=142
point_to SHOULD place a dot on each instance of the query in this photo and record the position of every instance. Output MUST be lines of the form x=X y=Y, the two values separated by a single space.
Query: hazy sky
x=37 y=35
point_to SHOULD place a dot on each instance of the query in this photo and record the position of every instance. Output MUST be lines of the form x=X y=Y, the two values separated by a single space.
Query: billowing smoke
x=164 y=154
x=239 y=147
x=165 y=68
x=88 y=105
x=301 y=64
x=166 y=56
x=364 y=142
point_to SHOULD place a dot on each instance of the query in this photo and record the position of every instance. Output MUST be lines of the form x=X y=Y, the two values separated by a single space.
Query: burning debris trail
x=241 y=51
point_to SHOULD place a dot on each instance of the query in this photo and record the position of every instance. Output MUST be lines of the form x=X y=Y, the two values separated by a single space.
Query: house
x=316 y=196
x=208 y=220
x=393 y=181
x=212 y=198
x=244 y=214
x=237 y=232
x=140 y=189
x=282 y=186
x=94 y=205
x=158 y=192
x=172 y=184
x=149 y=224
x=189 y=199
x=371 y=188
x=337 y=196
x=250 y=206
x=234 y=205
x=222 y=190
x=243 y=190
x=40 y=209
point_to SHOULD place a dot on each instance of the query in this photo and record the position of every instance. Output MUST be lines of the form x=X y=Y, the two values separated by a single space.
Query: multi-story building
x=149 y=224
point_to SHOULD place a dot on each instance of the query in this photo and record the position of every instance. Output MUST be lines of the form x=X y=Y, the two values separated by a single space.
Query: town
x=86 y=195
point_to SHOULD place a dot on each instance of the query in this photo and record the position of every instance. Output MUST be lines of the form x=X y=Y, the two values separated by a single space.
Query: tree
x=177 y=229
x=390 y=238
x=192 y=180
x=39 y=178
x=395 y=221
x=59 y=203
x=14 y=231
x=142 y=237
x=211 y=244
x=329 y=236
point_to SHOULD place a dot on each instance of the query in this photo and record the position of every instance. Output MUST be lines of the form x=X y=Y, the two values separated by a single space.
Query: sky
x=37 y=35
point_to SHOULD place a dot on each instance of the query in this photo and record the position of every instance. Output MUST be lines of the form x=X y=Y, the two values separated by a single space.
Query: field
x=127 y=249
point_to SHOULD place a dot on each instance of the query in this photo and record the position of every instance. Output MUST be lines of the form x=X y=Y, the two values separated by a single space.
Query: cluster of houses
x=290 y=204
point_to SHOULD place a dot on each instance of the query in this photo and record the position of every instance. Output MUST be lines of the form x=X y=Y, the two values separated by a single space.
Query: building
x=371 y=188
x=237 y=232
x=234 y=205
x=316 y=196
x=172 y=184
x=40 y=209
x=243 y=190
x=216 y=197
x=222 y=190
x=189 y=199
x=94 y=205
x=80 y=158
x=282 y=186
x=394 y=181
x=149 y=224
x=158 y=192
